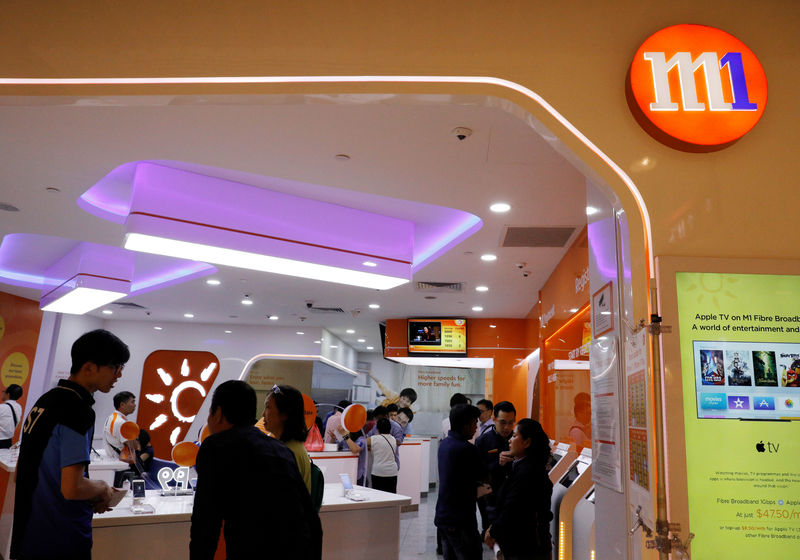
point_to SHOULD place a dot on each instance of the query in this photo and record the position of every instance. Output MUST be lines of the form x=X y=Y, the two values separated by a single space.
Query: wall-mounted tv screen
x=437 y=337
x=747 y=380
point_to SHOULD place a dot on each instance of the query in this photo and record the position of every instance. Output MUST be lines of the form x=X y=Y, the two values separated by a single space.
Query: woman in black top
x=521 y=519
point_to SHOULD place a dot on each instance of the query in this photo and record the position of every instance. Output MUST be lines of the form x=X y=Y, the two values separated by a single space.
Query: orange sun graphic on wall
x=174 y=385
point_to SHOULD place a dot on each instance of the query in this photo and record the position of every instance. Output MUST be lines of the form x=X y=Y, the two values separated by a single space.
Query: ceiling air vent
x=440 y=287
x=128 y=305
x=313 y=309
x=536 y=236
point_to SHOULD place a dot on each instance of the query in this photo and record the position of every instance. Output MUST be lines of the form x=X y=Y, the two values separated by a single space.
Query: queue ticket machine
x=572 y=486
x=583 y=527
x=562 y=456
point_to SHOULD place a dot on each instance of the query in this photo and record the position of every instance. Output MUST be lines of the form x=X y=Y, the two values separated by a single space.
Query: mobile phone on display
x=346 y=482
x=137 y=485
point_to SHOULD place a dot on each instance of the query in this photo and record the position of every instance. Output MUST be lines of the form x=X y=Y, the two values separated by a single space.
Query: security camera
x=461 y=133
x=309 y=304
x=526 y=273
x=520 y=265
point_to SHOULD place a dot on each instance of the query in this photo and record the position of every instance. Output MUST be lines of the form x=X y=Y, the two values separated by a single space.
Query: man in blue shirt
x=461 y=471
x=55 y=499
x=493 y=448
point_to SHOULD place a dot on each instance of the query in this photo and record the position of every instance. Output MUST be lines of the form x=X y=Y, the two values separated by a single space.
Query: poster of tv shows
x=750 y=380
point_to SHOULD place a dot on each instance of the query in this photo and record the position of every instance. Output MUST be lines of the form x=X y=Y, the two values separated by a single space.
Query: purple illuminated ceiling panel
x=278 y=217
x=44 y=262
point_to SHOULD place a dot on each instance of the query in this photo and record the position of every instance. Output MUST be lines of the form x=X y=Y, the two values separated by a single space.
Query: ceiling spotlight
x=374 y=306
x=350 y=331
x=317 y=342
x=300 y=332
x=573 y=310
x=247 y=301
x=591 y=210
x=477 y=308
x=362 y=340
x=492 y=326
x=273 y=317
x=189 y=315
x=213 y=282
x=369 y=263
x=500 y=207
x=370 y=347
x=488 y=257
x=228 y=332
x=158 y=328
x=334 y=346
x=481 y=288
x=107 y=312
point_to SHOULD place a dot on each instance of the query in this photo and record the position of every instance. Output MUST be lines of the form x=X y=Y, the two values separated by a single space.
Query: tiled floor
x=418 y=534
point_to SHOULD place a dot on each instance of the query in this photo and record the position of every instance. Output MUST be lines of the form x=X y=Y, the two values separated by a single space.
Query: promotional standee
x=740 y=362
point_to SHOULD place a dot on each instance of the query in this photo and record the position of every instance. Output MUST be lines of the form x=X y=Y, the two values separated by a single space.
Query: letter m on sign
x=713 y=68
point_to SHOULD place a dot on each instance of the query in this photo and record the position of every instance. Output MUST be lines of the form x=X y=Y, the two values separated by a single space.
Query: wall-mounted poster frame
x=721 y=485
x=603 y=311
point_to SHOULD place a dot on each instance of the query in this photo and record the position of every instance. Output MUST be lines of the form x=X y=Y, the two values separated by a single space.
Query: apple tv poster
x=748 y=381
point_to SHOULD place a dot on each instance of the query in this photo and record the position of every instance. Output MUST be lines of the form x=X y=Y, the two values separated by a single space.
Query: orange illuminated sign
x=698 y=85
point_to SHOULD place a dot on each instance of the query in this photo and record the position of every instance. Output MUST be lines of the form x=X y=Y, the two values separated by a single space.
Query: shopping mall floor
x=418 y=534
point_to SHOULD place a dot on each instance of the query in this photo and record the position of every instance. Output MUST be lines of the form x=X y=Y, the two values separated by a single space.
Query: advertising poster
x=606 y=431
x=740 y=351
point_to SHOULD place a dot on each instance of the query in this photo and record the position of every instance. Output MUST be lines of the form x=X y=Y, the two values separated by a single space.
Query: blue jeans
x=461 y=544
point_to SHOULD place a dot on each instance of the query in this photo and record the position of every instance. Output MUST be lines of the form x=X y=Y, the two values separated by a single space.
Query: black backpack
x=317 y=485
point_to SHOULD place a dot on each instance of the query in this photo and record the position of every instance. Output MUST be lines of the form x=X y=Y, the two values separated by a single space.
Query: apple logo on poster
x=760 y=447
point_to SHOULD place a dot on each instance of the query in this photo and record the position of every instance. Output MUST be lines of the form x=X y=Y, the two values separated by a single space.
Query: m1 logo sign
x=696 y=88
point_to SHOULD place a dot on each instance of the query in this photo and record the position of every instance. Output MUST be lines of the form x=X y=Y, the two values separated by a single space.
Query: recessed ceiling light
x=492 y=326
x=350 y=331
x=370 y=347
x=500 y=207
x=247 y=301
x=158 y=328
x=342 y=157
x=477 y=308
x=362 y=339
x=107 y=312
x=488 y=257
x=591 y=210
x=334 y=346
x=430 y=297
x=300 y=332
x=213 y=282
x=317 y=342
x=374 y=306
x=481 y=288
x=52 y=189
x=8 y=207
x=273 y=317
x=573 y=310
x=189 y=315
x=369 y=263
x=228 y=332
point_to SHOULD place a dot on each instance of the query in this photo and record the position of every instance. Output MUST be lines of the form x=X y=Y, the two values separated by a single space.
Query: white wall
x=233 y=350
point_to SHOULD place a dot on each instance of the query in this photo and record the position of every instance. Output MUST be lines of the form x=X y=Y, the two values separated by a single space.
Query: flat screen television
x=437 y=337
x=747 y=380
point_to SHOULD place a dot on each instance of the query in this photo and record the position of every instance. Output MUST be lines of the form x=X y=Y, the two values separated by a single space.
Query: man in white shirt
x=485 y=420
x=125 y=404
x=10 y=414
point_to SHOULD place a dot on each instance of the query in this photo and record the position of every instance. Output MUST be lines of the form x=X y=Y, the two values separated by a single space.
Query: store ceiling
x=398 y=146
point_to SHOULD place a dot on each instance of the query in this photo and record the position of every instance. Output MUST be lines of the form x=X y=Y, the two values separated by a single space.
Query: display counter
x=351 y=530
x=409 y=478
x=332 y=463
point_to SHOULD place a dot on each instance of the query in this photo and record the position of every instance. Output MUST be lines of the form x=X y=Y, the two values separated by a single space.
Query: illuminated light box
x=86 y=278
x=275 y=225
x=77 y=276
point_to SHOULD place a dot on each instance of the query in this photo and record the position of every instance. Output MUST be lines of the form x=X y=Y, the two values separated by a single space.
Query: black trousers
x=5 y=443
x=385 y=483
